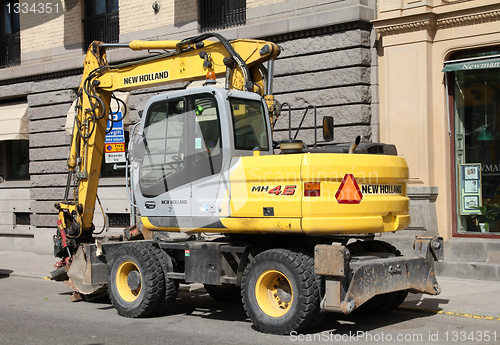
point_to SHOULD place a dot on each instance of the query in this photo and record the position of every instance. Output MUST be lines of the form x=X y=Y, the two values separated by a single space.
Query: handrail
x=128 y=185
x=289 y=119
x=310 y=106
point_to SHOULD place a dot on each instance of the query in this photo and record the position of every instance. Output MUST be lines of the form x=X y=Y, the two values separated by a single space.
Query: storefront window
x=476 y=95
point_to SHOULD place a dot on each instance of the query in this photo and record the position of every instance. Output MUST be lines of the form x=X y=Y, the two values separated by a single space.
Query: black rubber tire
x=385 y=302
x=321 y=315
x=224 y=293
x=171 y=287
x=293 y=313
x=135 y=261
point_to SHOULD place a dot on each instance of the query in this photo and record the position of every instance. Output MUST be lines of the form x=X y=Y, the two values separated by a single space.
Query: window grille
x=116 y=220
x=103 y=27
x=10 y=40
x=220 y=14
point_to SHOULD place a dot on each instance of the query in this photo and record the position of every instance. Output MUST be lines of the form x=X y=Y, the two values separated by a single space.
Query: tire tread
x=302 y=267
x=152 y=281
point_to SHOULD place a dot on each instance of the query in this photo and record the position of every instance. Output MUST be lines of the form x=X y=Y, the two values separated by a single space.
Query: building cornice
x=432 y=21
x=405 y=27
x=470 y=19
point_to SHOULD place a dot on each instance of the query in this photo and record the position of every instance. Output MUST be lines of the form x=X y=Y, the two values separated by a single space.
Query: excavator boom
x=240 y=61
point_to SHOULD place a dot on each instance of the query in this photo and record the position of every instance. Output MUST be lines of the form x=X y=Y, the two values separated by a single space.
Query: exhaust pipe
x=355 y=144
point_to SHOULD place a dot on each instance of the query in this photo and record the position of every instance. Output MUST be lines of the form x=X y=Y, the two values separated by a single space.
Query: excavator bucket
x=80 y=273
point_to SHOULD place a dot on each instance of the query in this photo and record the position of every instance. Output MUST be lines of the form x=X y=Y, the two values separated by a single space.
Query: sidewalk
x=461 y=297
x=26 y=264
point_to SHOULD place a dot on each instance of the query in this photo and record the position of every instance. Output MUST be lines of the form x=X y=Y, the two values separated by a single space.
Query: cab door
x=209 y=165
x=161 y=165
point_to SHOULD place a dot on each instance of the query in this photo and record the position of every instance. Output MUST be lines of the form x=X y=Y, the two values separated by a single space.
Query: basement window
x=118 y=220
x=22 y=218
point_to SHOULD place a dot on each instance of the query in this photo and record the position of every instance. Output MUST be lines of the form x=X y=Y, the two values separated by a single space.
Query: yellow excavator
x=286 y=228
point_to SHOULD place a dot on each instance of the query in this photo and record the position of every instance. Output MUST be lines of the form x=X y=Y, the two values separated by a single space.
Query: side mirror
x=328 y=128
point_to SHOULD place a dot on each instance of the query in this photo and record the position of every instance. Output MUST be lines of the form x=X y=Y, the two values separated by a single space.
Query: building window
x=118 y=220
x=10 y=53
x=101 y=22
x=22 y=218
x=475 y=80
x=220 y=14
x=15 y=160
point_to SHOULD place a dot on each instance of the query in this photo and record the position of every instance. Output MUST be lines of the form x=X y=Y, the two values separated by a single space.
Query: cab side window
x=207 y=130
x=207 y=136
x=164 y=155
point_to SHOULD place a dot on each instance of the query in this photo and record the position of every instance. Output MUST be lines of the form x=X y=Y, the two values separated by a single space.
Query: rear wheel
x=135 y=281
x=280 y=292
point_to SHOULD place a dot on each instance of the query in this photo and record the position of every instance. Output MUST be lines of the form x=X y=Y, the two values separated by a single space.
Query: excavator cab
x=183 y=152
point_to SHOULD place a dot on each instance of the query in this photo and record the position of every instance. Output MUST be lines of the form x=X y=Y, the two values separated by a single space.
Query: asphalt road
x=36 y=311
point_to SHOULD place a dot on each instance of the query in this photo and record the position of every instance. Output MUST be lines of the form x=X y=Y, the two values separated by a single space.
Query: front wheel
x=280 y=291
x=135 y=281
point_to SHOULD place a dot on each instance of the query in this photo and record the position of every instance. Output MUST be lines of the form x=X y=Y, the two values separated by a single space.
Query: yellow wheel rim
x=126 y=289
x=273 y=292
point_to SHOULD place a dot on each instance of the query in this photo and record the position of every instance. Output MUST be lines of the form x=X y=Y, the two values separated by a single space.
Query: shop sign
x=491 y=169
x=472 y=64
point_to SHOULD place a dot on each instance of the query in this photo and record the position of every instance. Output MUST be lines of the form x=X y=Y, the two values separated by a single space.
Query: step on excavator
x=286 y=228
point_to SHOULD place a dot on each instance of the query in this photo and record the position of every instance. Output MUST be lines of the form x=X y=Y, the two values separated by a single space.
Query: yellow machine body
x=267 y=194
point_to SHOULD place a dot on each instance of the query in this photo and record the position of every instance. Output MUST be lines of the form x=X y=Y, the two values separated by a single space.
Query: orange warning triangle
x=349 y=192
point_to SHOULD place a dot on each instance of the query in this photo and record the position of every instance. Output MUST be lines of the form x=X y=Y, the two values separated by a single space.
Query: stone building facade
x=327 y=61
x=376 y=66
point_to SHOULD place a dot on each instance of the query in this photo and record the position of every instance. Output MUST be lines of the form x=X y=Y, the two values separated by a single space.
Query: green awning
x=472 y=64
